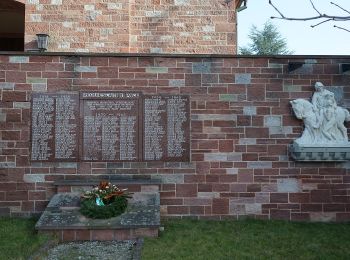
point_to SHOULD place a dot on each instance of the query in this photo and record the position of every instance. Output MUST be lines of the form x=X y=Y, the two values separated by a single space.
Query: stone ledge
x=321 y=154
x=116 y=181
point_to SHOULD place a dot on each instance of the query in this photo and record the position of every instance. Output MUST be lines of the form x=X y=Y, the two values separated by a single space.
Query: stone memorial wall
x=214 y=131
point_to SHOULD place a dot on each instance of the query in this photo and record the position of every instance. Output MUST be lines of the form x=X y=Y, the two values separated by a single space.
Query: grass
x=18 y=238
x=192 y=239
x=249 y=239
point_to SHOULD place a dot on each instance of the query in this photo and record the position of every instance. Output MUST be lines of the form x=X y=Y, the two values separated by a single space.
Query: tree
x=267 y=41
x=322 y=17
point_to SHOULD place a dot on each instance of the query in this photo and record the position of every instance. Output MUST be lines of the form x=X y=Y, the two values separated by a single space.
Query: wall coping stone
x=172 y=55
x=113 y=180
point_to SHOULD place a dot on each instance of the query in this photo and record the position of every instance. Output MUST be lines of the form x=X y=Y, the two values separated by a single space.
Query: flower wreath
x=104 y=201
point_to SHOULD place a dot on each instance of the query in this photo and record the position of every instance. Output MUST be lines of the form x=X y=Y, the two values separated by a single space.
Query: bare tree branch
x=313 y=6
x=321 y=16
x=340 y=7
x=341 y=28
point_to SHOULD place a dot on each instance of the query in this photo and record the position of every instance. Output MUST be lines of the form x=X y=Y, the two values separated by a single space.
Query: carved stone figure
x=323 y=119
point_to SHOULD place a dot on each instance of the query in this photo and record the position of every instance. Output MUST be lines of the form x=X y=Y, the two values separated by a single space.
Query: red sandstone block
x=197 y=210
x=107 y=72
x=118 y=61
x=299 y=197
x=123 y=234
x=102 y=235
x=311 y=207
x=178 y=210
x=27 y=206
x=8 y=186
x=33 y=66
x=167 y=194
x=277 y=149
x=333 y=207
x=320 y=196
x=208 y=144
x=205 y=187
x=171 y=201
x=98 y=61
x=256 y=93
x=14 y=96
x=245 y=177
x=220 y=206
x=16 y=195
x=202 y=167
x=250 y=157
x=217 y=90
x=279 y=197
x=300 y=216
x=212 y=178
x=254 y=188
x=194 y=178
x=22 y=160
x=226 y=164
x=37 y=195
x=40 y=205
x=193 y=80
x=217 y=105
x=340 y=199
x=280 y=214
x=342 y=217
x=68 y=235
x=257 y=132
x=228 y=178
x=15 y=76
x=186 y=190
x=197 y=157
x=167 y=187
x=221 y=187
x=58 y=84
x=226 y=146
x=82 y=235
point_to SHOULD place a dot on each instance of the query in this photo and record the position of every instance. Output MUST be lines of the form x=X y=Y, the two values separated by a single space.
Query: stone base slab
x=62 y=218
x=318 y=153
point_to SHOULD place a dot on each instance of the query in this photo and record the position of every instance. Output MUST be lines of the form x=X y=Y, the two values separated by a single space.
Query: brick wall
x=142 y=26
x=241 y=125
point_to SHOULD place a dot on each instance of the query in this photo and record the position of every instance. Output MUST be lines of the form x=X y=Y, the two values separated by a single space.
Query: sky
x=301 y=38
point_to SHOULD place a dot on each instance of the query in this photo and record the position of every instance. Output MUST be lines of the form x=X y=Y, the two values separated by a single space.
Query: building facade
x=141 y=26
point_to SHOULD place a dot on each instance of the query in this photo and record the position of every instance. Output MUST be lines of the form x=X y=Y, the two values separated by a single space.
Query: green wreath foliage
x=89 y=208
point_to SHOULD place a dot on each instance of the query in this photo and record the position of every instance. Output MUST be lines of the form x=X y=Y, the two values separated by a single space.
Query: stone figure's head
x=319 y=86
x=301 y=107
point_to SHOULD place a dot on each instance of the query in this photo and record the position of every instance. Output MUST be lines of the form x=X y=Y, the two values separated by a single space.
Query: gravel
x=116 y=250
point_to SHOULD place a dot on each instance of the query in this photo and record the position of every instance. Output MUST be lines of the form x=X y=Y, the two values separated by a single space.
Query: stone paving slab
x=106 y=250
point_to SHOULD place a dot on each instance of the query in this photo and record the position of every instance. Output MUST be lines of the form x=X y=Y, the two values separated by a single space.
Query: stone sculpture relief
x=323 y=119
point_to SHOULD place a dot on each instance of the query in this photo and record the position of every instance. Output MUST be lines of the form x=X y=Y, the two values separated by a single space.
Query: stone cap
x=96 y=181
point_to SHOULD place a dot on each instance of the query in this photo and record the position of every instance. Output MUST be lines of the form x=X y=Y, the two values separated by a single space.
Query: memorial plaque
x=110 y=126
x=54 y=130
x=166 y=126
x=115 y=126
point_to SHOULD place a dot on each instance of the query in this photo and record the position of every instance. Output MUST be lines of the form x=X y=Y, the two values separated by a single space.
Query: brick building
x=141 y=26
x=241 y=119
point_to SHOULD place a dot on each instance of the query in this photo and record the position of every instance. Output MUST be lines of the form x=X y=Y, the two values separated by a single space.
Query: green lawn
x=249 y=239
x=191 y=239
x=18 y=239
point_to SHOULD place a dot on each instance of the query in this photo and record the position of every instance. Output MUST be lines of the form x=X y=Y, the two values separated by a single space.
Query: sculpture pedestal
x=323 y=153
